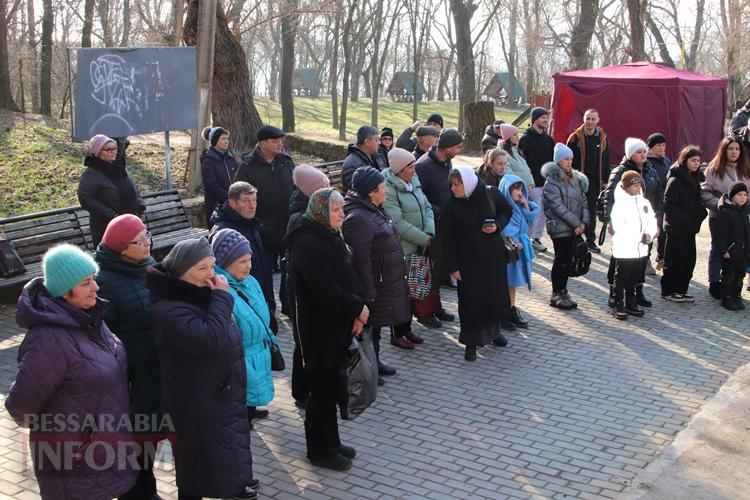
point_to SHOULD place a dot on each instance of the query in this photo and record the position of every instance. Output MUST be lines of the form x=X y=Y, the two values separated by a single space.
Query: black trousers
x=662 y=239
x=561 y=265
x=627 y=275
x=321 y=425
x=592 y=196
x=641 y=278
x=145 y=483
x=679 y=263
x=732 y=277
x=300 y=391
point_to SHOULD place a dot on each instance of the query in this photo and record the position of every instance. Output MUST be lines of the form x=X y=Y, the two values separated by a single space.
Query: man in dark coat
x=405 y=140
x=590 y=147
x=363 y=153
x=386 y=144
x=427 y=137
x=269 y=169
x=491 y=136
x=537 y=147
x=238 y=213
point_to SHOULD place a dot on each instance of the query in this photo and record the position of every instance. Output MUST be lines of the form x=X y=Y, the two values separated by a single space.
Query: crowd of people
x=191 y=337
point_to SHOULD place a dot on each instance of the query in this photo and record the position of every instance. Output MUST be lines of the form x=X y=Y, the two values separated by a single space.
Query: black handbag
x=10 y=262
x=581 y=257
x=277 y=359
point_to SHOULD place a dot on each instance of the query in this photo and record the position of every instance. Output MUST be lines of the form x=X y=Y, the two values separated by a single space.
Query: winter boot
x=640 y=298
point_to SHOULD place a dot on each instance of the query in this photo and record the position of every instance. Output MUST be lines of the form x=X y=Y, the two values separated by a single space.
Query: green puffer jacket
x=410 y=211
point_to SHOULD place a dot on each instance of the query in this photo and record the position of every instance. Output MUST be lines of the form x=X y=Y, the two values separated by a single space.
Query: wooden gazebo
x=497 y=89
x=305 y=82
x=402 y=88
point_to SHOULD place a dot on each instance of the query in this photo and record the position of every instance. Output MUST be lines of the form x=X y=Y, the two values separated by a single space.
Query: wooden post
x=205 y=64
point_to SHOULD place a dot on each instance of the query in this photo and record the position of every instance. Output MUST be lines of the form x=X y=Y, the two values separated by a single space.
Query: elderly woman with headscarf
x=330 y=309
x=106 y=189
x=218 y=167
x=472 y=220
x=378 y=258
x=203 y=377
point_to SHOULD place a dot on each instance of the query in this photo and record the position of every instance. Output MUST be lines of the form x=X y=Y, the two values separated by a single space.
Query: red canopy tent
x=637 y=99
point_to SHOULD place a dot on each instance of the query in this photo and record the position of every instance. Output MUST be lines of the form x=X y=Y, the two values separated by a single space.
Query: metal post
x=168 y=159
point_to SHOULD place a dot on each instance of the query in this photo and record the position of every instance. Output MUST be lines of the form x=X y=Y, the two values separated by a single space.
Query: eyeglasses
x=145 y=241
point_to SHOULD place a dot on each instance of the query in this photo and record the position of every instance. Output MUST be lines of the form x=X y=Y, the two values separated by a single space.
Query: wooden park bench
x=167 y=221
x=333 y=171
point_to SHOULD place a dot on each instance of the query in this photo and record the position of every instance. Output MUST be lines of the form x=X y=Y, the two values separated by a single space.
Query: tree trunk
x=636 y=9
x=21 y=99
x=346 y=41
x=45 y=76
x=178 y=12
x=531 y=16
x=692 y=59
x=126 y=24
x=335 y=71
x=288 y=35
x=273 y=83
x=6 y=97
x=476 y=117
x=512 y=51
x=462 y=11
x=663 y=50
x=102 y=6
x=88 y=23
x=580 y=37
x=33 y=70
x=231 y=100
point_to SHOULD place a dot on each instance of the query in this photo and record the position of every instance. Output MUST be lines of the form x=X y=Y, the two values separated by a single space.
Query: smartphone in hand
x=487 y=223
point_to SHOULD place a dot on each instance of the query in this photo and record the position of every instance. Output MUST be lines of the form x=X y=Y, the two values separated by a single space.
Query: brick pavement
x=574 y=407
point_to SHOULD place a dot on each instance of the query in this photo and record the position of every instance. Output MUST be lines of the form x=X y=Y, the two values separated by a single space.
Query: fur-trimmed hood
x=551 y=170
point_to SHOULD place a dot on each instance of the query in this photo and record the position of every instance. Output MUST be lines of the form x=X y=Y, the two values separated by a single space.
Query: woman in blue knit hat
x=71 y=370
x=234 y=261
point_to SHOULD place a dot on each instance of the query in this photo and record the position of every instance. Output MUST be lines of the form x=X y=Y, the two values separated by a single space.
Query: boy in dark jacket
x=733 y=237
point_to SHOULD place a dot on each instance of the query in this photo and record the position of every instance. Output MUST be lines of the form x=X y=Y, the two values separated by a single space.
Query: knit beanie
x=424 y=130
x=537 y=113
x=64 y=266
x=309 y=179
x=448 y=138
x=366 y=180
x=632 y=145
x=507 y=131
x=736 y=187
x=229 y=245
x=435 y=118
x=469 y=179
x=185 y=255
x=97 y=143
x=386 y=132
x=399 y=159
x=120 y=232
x=631 y=177
x=656 y=138
x=561 y=152
x=213 y=134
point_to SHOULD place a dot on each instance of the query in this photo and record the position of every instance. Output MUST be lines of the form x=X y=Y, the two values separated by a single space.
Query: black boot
x=383 y=369
x=714 y=289
x=640 y=298
x=611 y=302
x=618 y=307
x=470 y=353
x=517 y=319
x=632 y=305
x=500 y=341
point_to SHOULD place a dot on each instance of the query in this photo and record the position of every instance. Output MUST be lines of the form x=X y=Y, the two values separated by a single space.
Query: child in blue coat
x=525 y=212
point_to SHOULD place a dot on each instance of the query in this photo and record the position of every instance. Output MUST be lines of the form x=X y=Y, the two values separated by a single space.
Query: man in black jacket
x=537 y=147
x=269 y=169
x=238 y=213
x=364 y=153
x=405 y=140
x=426 y=138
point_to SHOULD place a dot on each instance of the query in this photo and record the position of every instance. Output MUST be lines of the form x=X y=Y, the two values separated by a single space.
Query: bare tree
x=462 y=11
x=126 y=23
x=334 y=70
x=6 y=97
x=346 y=42
x=636 y=10
x=378 y=63
x=288 y=35
x=31 y=46
x=45 y=68
x=88 y=23
x=580 y=40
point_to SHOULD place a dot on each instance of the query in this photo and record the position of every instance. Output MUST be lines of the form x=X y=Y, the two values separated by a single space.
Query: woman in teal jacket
x=233 y=261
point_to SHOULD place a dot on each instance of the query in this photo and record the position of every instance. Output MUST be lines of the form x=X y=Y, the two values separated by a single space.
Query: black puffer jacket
x=218 y=169
x=328 y=298
x=650 y=183
x=537 y=149
x=433 y=174
x=490 y=139
x=382 y=158
x=130 y=317
x=661 y=166
x=733 y=230
x=378 y=260
x=355 y=159
x=684 y=210
x=203 y=384
x=275 y=185
x=106 y=190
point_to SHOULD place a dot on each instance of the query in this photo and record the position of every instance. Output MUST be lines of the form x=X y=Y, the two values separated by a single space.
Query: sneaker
x=402 y=342
x=254 y=484
x=538 y=246
x=572 y=302
x=593 y=247
x=413 y=337
x=444 y=315
x=500 y=341
x=686 y=297
x=470 y=353
x=740 y=303
x=247 y=494
x=517 y=319
x=674 y=297
x=619 y=312
x=634 y=310
x=558 y=300
x=260 y=412
x=429 y=321
x=337 y=462
x=347 y=451
x=642 y=300
x=729 y=303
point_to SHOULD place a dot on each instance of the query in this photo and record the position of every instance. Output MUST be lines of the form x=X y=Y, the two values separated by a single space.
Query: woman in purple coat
x=71 y=388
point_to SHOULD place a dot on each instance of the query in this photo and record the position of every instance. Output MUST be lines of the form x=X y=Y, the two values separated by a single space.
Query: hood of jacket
x=550 y=170
x=215 y=154
x=110 y=261
x=683 y=175
x=165 y=287
x=37 y=307
x=114 y=169
x=725 y=202
x=506 y=182
x=398 y=184
x=225 y=212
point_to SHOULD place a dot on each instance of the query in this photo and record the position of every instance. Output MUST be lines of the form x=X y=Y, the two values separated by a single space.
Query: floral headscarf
x=318 y=208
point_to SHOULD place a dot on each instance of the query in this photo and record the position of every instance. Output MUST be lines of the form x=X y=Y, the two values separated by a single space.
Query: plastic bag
x=358 y=377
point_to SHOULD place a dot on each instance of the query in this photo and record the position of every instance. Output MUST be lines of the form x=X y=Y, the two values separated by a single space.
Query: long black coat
x=537 y=149
x=684 y=210
x=130 y=317
x=106 y=190
x=275 y=186
x=203 y=384
x=483 y=298
x=328 y=298
x=217 y=171
x=378 y=260
x=733 y=230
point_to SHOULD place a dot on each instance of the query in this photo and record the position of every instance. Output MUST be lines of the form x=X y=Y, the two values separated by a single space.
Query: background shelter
x=637 y=99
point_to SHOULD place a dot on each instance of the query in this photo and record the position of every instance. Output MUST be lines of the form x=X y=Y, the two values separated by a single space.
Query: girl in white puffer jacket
x=633 y=226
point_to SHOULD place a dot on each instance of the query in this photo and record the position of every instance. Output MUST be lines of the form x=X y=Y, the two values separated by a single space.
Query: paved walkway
x=574 y=407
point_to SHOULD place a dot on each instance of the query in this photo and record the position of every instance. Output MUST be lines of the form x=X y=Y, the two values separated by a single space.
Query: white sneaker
x=538 y=245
